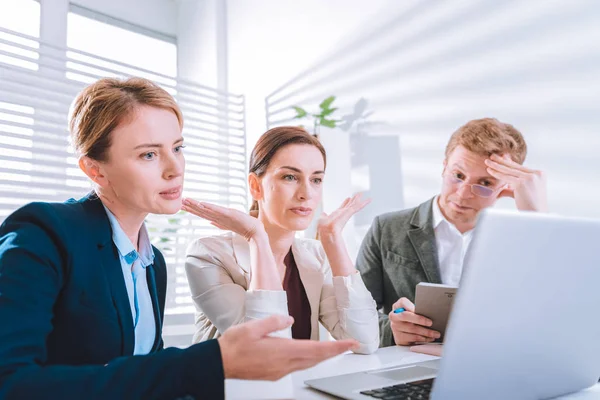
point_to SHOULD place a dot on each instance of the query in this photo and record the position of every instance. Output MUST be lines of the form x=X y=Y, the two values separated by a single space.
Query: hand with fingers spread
x=526 y=186
x=334 y=223
x=248 y=352
x=330 y=234
x=225 y=218
x=409 y=328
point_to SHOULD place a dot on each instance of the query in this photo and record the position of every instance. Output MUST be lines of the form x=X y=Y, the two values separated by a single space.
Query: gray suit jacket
x=398 y=252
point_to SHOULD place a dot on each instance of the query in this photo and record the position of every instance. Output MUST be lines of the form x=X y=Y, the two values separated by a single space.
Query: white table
x=293 y=387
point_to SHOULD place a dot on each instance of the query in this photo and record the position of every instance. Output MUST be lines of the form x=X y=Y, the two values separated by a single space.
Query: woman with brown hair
x=261 y=269
x=82 y=290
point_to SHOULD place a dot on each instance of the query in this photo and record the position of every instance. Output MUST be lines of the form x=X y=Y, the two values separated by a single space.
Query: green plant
x=323 y=118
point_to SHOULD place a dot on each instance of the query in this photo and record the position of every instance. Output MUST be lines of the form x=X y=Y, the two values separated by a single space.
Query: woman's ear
x=254 y=184
x=93 y=170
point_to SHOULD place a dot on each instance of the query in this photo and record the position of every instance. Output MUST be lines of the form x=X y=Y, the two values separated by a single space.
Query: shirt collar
x=438 y=217
x=125 y=247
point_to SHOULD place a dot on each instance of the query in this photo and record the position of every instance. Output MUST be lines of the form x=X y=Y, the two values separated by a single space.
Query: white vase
x=337 y=185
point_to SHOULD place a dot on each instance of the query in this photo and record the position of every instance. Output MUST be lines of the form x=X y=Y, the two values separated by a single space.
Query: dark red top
x=298 y=305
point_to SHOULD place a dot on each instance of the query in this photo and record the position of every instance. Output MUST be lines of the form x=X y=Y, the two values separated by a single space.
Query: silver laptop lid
x=526 y=321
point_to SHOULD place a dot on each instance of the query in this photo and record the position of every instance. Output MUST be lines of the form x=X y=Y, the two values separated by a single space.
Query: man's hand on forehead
x=527 y=186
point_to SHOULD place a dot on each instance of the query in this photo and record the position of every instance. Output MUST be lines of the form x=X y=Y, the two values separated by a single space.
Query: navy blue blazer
x=66 y=330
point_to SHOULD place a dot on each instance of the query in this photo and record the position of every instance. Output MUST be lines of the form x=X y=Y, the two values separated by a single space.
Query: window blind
x=38 y=83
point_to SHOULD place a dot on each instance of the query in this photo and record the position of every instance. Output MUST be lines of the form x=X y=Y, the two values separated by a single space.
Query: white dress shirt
x=134 y=266
x=451 y=246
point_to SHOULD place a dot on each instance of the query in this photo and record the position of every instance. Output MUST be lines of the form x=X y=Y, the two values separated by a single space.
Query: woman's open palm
x=334 y=223
x=224 y=218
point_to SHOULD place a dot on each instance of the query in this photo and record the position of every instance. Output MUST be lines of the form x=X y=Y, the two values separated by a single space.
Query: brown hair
x=272 y=141
x=489 y=136
x=104 y=104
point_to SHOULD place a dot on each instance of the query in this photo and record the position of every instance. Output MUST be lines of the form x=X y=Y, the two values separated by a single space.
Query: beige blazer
x=218 y=271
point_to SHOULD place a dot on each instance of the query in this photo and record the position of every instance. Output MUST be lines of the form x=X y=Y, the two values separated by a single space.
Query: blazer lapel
x=111 y=265
x=423 y=240
x=309 y=269
x=151 y=279
x=114 y=274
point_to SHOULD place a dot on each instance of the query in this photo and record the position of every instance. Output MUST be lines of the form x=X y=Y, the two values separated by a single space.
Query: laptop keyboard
x=406 y=391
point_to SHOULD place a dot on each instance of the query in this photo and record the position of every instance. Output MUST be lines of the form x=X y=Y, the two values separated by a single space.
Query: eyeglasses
x=478 y=190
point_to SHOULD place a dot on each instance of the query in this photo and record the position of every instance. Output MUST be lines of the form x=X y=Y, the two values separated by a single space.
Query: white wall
x=202 y=42
x=270 y=41
x=428 y=67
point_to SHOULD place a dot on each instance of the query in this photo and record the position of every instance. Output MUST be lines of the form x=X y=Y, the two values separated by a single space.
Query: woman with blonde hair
x=261 y=269
x=82 y=290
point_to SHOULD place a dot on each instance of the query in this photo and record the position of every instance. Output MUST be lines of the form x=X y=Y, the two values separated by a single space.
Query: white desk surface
x=293 y=387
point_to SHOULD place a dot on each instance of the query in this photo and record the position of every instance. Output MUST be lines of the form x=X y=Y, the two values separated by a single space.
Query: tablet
x=434 y=301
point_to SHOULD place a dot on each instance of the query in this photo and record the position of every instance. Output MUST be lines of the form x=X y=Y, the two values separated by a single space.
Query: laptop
x=525 y=323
